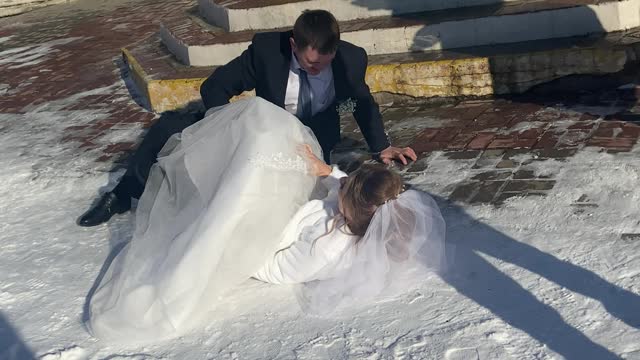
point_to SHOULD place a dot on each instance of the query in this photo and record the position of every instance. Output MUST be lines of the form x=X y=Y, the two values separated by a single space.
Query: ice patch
x=32 y=55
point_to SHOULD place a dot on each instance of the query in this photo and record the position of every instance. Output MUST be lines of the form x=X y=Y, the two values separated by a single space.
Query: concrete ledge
x=428 y=32
x=15 y=7
x=494 y=75
x=240 y=15
x=470 y=72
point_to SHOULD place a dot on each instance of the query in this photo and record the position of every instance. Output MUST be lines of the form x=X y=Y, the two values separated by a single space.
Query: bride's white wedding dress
x=230 y=198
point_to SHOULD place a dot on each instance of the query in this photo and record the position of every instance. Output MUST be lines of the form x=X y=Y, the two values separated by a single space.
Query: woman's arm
x=304 y=260
x=331 y=174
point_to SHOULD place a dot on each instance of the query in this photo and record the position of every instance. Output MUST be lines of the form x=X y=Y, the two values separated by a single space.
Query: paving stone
x=397 y=114
x=585 y=205
x=548 y=140
x=582 y=198
x=583 y=125
x=631 y=131
x=621 y=144
x=492 y=175
x=463 y=192
x=486 y=192
x=104 y=158
x=447 y=134
x=488 y=159
x=611 y=124
x=630 y=237
x=481 y=141
x=555 y=153
x=512 y=143
x=604 y=132
x=421 y=147
x=418 y=166
x=489 y=121
x=506 y=164
x=460 y=141
x=524 y=175
x=492 y=154
x=471 y=111
x=531 y=133
x=574 y=137
x=504 y=196
x=462 y=155
x=119 y=147
x=529 y=185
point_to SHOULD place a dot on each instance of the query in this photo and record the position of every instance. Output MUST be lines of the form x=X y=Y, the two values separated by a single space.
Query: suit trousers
x=140 y=163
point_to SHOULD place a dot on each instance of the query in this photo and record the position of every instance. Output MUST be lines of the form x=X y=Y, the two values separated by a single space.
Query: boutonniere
x=347 y=107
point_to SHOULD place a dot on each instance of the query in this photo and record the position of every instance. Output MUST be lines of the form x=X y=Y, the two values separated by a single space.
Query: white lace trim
x=279 y=161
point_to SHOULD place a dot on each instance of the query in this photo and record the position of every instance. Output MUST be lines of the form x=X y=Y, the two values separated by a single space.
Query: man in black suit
x=308 y=71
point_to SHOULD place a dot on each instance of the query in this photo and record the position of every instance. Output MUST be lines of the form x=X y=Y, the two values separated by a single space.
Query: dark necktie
x=304 y=98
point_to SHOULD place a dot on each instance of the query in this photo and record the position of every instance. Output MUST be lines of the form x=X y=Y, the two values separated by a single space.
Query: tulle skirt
x=212 y=212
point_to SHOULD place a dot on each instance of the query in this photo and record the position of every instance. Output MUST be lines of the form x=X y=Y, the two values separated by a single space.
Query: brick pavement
x=493 y=133
x=75 y=51
x=489 y=131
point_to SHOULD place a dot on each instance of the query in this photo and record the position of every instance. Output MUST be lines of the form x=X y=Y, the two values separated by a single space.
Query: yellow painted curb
x=473 y=76
x=137 y=73
x=445 y=78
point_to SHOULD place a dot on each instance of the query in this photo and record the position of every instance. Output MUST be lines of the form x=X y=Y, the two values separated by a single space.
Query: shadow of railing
x=12 y=347
x=473 y=276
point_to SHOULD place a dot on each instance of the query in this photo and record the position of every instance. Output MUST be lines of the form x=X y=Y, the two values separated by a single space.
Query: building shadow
x=520 y=83
x=12 y=347
x=470 y=241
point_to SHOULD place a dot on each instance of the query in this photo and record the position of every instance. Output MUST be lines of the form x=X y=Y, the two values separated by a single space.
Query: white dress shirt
x=322 y=89
x=308 y=250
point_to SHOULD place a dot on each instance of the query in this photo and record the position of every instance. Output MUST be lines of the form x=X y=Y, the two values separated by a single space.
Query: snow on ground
x=533 y=279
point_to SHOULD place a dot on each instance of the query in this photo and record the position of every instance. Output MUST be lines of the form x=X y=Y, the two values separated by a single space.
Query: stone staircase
x=419 y=48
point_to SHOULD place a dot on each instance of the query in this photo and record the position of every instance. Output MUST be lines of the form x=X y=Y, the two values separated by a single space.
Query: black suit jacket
x=264 y=66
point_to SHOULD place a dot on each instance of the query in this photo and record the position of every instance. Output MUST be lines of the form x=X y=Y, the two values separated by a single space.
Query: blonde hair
x=365 y=189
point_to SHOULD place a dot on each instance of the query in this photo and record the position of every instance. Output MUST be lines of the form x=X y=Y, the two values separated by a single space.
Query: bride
x=237 y=195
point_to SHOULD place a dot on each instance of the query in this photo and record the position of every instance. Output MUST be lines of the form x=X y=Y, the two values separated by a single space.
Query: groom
x=309 y=72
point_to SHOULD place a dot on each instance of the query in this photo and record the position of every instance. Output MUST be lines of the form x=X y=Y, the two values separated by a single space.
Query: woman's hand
x=317 y=167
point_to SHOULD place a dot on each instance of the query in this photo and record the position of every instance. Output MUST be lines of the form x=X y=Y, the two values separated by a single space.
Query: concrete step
x=197 y=44
x=15 y=7
x=167 y=84
x=238 y=15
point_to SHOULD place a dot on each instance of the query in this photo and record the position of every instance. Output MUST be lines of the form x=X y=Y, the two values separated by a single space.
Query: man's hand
x=317 y=167
x=401 y=154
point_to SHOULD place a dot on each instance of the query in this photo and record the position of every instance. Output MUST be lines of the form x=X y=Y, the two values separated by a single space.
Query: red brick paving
x=90 y=62
x=541 y=127
x=481 y=141
x=86 y=64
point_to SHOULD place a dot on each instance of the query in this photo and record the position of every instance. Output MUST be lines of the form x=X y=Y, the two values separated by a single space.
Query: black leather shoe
x=108 y=206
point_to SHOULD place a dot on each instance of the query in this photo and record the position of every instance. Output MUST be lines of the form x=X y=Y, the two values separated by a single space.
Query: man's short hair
x=318 y=29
